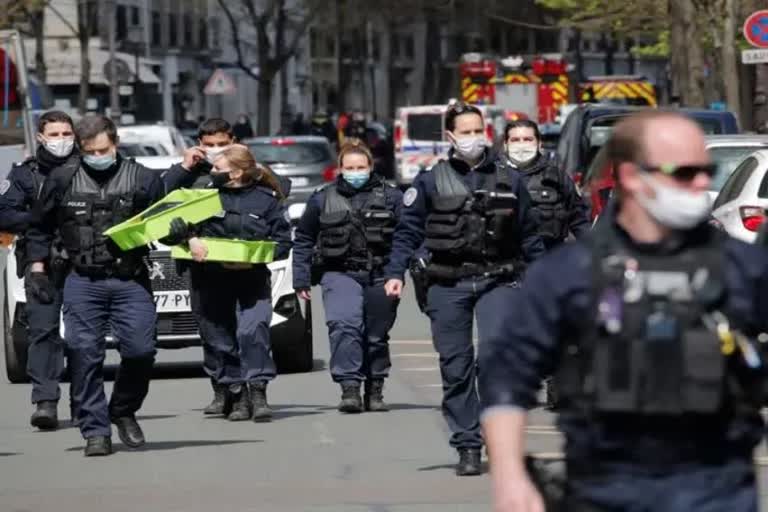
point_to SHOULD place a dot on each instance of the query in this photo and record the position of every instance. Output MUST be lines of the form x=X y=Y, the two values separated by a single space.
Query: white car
x=740 y=207
x=291 y=327
x=154 y=134
x=728 y=151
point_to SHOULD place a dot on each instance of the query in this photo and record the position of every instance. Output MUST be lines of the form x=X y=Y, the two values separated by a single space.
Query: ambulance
x=420 y=141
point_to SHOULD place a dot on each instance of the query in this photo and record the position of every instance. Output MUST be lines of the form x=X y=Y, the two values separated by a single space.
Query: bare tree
x=279 y=31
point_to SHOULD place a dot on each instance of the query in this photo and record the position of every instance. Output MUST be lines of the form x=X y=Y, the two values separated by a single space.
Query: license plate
x=299 y=182
x=171 y=302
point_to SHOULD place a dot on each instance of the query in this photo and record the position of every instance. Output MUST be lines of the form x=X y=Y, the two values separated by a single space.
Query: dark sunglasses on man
x=681 y=172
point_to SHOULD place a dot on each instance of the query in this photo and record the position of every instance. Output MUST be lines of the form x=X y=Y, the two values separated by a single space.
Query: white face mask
x=522 y=152
x=673 y=207
x=470 y=148
x=59 y=147
x=212 y=153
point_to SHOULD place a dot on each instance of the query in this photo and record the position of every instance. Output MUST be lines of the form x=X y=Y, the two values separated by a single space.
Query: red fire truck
x=536 y=88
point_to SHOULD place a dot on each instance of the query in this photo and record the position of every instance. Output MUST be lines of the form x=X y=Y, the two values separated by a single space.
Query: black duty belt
x=441 y=272
x=107 y=271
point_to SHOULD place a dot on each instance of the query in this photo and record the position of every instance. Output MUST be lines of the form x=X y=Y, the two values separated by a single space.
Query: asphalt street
x=309 y=458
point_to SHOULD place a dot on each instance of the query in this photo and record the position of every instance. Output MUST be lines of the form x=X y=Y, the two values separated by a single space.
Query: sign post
x=756 y=34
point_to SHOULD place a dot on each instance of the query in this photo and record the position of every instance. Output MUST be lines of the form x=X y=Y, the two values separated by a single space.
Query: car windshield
x=425 y=127
x=727 y=159
x=288 y=152
x=710 y=126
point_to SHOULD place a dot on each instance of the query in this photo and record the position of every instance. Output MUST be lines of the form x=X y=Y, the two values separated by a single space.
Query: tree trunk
x=83 y=34
x=340 y=85
x=264 y=104
x=37 y=21
x=432 y=59
x=678 y=61
x=694 y=96
x=730 y=65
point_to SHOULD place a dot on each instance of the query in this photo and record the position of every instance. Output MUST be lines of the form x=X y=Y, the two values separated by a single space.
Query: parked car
x=161 y=134
x=740 y=207
x=308 y=161
x=727 y=151
x=588 y=127
x=291 y=326
x=133 y=150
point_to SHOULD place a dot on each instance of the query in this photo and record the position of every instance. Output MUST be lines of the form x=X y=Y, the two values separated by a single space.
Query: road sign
x=220 y=83
x=754 y=56
x=756 y=29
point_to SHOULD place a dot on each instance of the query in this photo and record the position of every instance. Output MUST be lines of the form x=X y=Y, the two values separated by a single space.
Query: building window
x=376 y=46
x=395 y=46
x=122 y=23
x=188 y=30
x=330 y=45
x=135 y=16
x=173 y=30
x=203 y=35
x=157 y=26
x=409 y=46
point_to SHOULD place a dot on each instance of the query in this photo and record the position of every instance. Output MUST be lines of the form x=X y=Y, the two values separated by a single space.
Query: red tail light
x=490 y=133
x=398 y=137
x=752 y=217
x=283 y=142
x=330 y=172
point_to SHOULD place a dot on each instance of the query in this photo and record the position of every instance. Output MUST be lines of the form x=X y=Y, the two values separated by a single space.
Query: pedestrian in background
x=342 y=242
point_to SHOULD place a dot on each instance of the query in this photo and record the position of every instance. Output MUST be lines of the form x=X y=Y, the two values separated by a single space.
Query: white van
x=420 y=137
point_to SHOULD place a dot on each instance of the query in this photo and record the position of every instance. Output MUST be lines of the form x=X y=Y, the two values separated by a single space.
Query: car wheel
x=297 y=357
x=15 y=342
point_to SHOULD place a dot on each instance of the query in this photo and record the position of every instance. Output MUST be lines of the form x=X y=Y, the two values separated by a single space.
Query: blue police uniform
x=344 y=238
x=18 y=193
x=559 y=206
x=234 y=307
x=644 y=435
x=108 y=288
x=478 y=247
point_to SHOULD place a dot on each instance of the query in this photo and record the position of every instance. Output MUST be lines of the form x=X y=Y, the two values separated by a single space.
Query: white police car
x=176 y=325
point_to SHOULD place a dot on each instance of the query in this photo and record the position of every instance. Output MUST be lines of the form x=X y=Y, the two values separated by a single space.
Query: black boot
x=98 y=446
x=241 y=405
x=219 y=404
x=129 y=431
x=350 y=397
x=45 y=416
x=469 y=462
x=261 y=410
x=374 y=396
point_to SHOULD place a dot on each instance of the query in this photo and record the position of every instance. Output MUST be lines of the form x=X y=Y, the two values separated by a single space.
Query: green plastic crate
x=192 y=205
x=231 y=251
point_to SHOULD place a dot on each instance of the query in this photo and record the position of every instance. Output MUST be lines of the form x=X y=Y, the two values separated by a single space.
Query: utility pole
x=114 y=97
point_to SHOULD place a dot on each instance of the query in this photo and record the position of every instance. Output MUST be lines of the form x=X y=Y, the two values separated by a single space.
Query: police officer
x=344 y=238
x=18 y=192
x=474 y=215
x=235 y=300
x=559 y=206
x=107 y=287
x=651 y=334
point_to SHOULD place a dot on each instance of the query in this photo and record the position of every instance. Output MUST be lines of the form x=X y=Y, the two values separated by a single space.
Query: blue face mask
x=99 y=163
x=356 y=178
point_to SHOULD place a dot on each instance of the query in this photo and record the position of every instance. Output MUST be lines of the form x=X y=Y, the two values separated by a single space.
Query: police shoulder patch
x=410 y=196
x=4 y=186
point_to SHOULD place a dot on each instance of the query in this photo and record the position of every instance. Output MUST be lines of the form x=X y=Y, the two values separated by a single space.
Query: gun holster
x=420 y=278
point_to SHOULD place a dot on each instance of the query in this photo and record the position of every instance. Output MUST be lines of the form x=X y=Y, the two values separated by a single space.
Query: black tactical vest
x=469 y=226
x=546 y=190
x=648 y=350
x=361 y=237
x=88 y=209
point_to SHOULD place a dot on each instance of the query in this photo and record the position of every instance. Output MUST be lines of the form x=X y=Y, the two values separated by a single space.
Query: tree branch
x=291 y=48
x=236 y=39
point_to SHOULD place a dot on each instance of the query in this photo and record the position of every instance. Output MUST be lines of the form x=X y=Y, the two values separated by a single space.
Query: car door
x=726 y=207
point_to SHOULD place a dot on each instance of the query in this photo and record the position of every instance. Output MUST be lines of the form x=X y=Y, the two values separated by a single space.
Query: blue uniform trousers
x=452 y=309
x=234 y=313
x=126 y=307
x=359 y=316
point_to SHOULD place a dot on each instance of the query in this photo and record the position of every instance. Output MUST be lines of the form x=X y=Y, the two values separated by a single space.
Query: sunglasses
x=681 y=172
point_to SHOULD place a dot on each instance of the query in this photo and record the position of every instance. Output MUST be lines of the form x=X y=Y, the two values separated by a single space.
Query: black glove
x=39 y=286
x=178 y=234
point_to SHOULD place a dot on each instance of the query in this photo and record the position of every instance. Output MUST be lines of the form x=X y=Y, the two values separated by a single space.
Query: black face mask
x=219 y=179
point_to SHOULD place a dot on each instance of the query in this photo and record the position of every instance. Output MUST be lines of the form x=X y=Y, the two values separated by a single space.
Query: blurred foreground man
x=652 y=336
